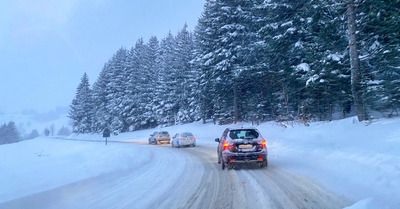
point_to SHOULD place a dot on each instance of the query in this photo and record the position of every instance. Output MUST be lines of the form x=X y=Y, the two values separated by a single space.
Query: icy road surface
x=184 y=178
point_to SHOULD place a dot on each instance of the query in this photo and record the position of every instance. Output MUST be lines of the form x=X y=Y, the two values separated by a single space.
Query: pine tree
x=146 y=67
x=151 y=72
x=117 y=89
x=9 y=133
x=225 y=32
x=136 y=109
x=204 y=47
x=324 y=49
x=184 y=79
x=81 y=109
x=166 y=110
x=379 y=36
x=102 y=120
x=286 y=40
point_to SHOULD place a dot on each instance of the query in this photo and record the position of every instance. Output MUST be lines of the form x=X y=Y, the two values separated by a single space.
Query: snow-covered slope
x=356 y=160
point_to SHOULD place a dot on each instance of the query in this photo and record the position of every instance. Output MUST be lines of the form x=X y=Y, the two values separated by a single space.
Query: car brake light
x=263 y=143
x=226 y=145
x=229 y=146
x=193 y=138
x=158 y=137
x=180 y=138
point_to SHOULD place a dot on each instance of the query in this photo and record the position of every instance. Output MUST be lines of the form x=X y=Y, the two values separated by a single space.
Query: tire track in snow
x=248 y=186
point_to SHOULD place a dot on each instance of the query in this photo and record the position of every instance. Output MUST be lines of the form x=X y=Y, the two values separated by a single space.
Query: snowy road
x=184 y=178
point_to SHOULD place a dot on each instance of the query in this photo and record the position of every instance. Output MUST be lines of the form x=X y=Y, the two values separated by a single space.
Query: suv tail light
x=229 y=146
x=263 y=143
x=226 y=145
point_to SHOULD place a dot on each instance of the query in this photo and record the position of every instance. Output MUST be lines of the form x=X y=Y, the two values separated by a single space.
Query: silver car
x=183 y=139
x=159 y=137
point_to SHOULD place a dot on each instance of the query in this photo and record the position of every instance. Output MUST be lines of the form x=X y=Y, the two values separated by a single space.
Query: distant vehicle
x=160 y=137
x=242 y=146
x=183 y=139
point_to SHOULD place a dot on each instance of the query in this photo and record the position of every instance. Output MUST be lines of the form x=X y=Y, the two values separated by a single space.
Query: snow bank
x=358 y=160
x=42 y=164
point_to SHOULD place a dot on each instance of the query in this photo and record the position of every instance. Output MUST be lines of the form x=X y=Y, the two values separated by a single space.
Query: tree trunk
x=354 y=63
x=235 y=104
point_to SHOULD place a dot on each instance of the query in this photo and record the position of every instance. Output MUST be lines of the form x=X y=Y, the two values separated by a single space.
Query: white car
x=183 y=139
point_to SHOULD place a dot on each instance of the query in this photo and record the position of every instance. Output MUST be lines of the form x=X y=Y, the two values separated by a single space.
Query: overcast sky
x=47 y=45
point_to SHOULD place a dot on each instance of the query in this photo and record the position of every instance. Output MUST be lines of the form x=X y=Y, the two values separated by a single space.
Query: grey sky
x=47 y=45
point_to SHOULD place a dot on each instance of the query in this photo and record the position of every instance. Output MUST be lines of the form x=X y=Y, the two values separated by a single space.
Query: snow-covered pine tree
x=101 y=116
x=148 y=72
x=203 y=61
x=224 y=35
x=117 y=89
x=166 y=94
x=140 y=98
x=379 y=40
x=323 y=49
x=185 y=77
x=129 y=99
x=253 y=94
x=283 y=33
x=81 y=109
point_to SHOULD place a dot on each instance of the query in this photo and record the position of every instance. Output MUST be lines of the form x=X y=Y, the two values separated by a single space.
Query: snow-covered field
x=359 y=161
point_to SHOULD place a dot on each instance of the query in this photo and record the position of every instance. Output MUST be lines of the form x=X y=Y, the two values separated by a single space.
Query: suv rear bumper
x=162 y=141
x=242 y=157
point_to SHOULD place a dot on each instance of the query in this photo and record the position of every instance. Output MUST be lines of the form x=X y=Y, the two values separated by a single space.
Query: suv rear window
x=243 y=133
x=163 y=133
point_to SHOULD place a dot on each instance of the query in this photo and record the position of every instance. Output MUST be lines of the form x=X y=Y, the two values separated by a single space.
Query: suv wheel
x=263 y=164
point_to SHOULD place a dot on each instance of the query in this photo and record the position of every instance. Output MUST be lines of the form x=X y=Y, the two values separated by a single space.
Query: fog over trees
x=9 y=133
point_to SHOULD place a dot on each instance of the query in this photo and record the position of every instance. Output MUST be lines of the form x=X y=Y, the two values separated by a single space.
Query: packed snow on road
x=338 y=164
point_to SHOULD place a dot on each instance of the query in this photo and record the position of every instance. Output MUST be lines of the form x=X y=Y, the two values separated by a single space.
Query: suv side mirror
x=217 y=140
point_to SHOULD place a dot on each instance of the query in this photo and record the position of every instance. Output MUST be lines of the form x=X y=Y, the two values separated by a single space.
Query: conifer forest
x=252 y=60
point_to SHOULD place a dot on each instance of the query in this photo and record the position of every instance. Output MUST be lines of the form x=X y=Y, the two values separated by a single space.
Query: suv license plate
x=245 y=146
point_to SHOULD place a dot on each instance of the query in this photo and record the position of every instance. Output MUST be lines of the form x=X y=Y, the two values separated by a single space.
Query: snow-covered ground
x=357 y=160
